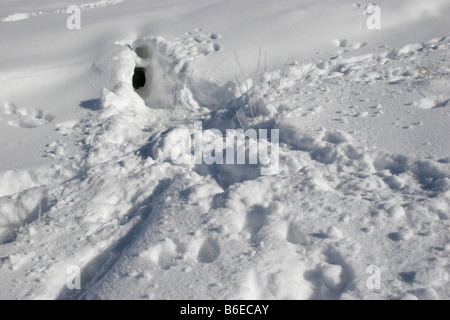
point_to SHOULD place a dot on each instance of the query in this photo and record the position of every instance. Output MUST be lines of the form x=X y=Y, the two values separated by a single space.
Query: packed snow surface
x=356 y=205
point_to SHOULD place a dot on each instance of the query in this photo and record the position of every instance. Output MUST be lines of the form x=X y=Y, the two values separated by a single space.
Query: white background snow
x=86 y=177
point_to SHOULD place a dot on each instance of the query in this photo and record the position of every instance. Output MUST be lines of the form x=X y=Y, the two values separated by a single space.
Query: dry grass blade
x=71 y=213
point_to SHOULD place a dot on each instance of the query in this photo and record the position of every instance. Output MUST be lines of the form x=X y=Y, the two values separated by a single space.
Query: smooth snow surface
x=87 y=177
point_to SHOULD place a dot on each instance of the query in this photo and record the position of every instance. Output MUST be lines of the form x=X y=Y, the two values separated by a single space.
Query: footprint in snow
x=256 y=219
x=198 y=44
x=25 y=118
x=163 y=254
x=168 y=253
x=208 y=252
x=86 y=6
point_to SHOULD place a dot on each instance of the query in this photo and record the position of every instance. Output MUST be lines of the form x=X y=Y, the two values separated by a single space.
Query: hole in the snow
x=408 y=277
x=142 y=52
x=227 y=175
x=139 y=78
x=208 y=252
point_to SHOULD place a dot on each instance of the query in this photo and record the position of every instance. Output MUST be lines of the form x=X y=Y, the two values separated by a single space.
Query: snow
x=88 y=176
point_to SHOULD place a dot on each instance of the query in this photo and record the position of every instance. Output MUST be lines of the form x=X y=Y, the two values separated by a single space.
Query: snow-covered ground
x=359 y=207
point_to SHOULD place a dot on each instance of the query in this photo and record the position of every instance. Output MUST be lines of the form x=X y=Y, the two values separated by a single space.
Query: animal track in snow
x=208 y=252
x=166 y=253
x=336 y=273
x=99 y=4
x=86 y=6
x=24 y=118
x=55 y=149
x=256 y=219
x=295 y=235
x=193 y=46
x=198 y=42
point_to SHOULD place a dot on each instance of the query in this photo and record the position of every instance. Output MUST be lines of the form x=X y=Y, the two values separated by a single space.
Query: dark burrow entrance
x=139 y=78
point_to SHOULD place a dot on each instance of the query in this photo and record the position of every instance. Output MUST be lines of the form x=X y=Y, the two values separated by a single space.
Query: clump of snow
x=433 y=102
x=16 y=17
x=332 y=275
x=396 y=212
